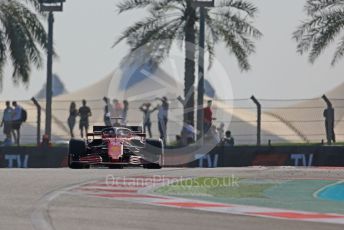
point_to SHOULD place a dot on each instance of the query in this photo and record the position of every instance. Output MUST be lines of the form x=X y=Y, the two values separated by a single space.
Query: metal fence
x=251 y=121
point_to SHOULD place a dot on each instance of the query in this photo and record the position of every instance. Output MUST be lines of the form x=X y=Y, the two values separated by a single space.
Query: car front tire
x=77 y=148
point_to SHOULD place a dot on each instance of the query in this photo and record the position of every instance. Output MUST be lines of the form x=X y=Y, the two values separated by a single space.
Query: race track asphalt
x=40 y=199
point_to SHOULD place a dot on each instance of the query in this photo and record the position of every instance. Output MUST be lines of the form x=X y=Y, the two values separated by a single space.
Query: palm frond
x=237 y=33
x=236 y=44
x=239 y=51
x=322 y=41
x=237 y=23
x=145 y=24
x=240 y=5
x=168 y=5
x=21 y=33
x=2 y=56
x=126 y=5
x=36 y=5
x=156 y=41
x=317 y=33
x=306 y=31
x=339 y=52
x=33 y=29
x=150 y=23
x=161 y=31
x=210 y=48
x=313 y=7
x=180 y=34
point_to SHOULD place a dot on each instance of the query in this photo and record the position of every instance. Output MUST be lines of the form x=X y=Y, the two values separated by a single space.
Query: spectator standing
x=208 y=117
x=188 y=133
x=329 y=124
x=212 y=137
x=215 y=134
x=147 y=123
x=45 y=141
x=107 y=112
x=84 y=113
x=125 y=112
x=221 y=130
x=228 y=141
x=163 y=118
x=179 y=142
x=16 y=122
x=73 y=113
x=117 y=109
x=7 y=141
x=7 y=121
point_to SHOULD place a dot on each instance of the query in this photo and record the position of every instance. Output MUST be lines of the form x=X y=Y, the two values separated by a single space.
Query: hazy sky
x=85 y=31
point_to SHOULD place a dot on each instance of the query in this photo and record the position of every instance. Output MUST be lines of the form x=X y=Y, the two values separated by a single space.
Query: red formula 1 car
x=116 y=147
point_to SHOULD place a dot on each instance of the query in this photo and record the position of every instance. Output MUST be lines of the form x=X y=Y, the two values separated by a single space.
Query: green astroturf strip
x=285 y=194
x=227 y=187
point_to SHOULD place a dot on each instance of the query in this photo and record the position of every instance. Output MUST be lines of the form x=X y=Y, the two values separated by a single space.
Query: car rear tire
x=77 y=148
x=152 y=166
x=155 y=152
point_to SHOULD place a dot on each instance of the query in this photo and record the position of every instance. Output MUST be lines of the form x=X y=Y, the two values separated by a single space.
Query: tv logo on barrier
x=303 y=159
x=16 y=159
x=212 y=162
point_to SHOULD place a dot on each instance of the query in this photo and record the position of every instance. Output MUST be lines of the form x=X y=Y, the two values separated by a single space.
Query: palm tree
x=177 y=20
x=21 y=37
x=325 y=20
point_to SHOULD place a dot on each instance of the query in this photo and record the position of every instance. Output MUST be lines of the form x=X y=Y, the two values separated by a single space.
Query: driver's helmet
x=109 y=133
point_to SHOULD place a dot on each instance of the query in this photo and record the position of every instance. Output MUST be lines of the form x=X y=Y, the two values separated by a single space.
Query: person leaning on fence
x=7 y=122
x=73 y=113
x=84 y=113
x=45 y=141
x=188 y=133
x=228 y=140
x=329 y=124
x=17 y=119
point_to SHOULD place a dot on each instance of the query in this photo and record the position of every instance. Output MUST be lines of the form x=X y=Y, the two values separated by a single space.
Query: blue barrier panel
x=332 y=156
x=33 y=157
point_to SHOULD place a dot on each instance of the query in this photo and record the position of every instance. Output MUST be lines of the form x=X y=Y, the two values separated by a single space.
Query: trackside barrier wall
x=318 y=156
x=33 y=157
x=56 y=157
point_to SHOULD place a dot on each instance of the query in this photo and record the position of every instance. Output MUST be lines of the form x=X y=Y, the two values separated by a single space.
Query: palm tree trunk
x=189 y=75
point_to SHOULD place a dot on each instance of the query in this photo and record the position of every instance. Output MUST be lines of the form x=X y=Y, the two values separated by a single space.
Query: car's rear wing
x=134 y=129
x=99 y=129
